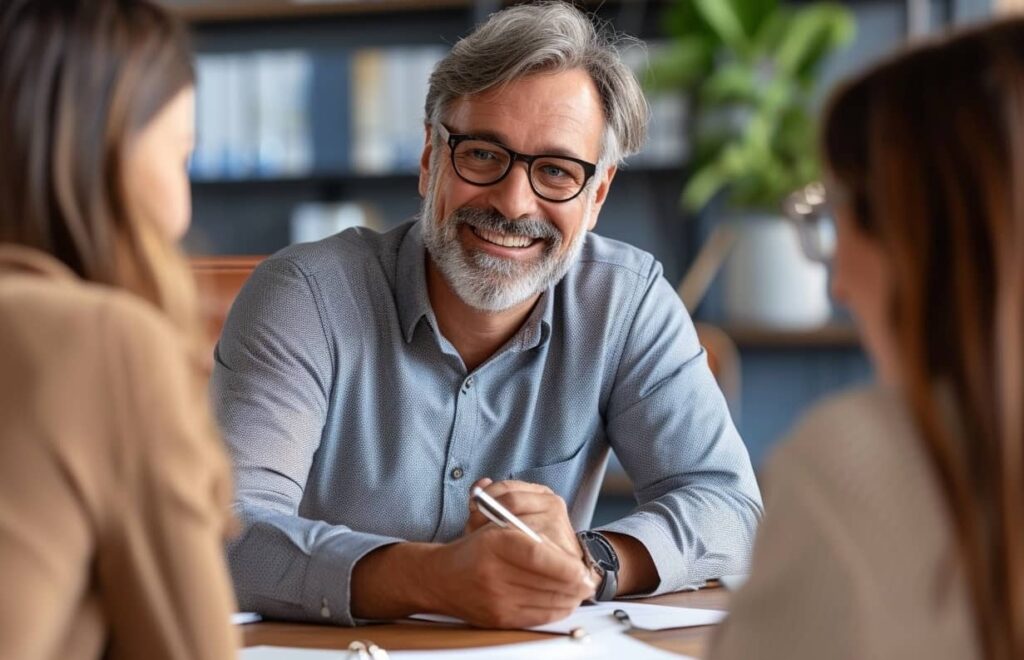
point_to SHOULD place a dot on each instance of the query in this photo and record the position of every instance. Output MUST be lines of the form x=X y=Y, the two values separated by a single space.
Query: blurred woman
x=114 y=490
x=894 y=523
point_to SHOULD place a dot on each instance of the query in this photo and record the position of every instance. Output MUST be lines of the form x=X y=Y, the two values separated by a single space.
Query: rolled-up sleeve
x=669 y=425
x=273 y=372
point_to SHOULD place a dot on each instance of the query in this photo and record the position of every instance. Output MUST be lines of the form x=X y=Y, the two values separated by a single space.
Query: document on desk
x=607 y=646
x=242 y=618
x=601 y=616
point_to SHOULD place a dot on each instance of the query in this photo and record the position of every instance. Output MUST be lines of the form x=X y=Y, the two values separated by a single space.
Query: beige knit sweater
x=114 y=491
x=855 y=556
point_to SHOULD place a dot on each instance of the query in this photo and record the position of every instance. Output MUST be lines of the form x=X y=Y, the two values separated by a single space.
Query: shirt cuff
x=327 y=588
x=673 y=569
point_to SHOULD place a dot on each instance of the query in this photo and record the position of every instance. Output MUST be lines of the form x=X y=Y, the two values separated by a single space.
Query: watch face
x=602 y=552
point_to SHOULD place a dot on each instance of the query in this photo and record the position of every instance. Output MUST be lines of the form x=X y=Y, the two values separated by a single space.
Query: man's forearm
x=393 y=582
x=637 y=573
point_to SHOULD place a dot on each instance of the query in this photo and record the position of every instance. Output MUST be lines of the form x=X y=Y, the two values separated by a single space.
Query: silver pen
x=499 y=515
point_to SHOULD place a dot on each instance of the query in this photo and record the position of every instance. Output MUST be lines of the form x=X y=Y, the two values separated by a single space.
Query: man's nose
x=512 y=196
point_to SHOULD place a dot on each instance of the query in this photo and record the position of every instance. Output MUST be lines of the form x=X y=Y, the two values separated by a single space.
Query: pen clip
x=498 y=514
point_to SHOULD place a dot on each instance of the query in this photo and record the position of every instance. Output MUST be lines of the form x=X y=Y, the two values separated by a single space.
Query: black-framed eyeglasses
x=483 y=162
x=809 y=209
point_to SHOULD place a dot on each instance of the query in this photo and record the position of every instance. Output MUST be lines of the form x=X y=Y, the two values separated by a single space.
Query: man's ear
x=428 y=147
x=603 y=186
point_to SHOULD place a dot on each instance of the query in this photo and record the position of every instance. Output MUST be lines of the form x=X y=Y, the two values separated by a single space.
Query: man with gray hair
x=366 y=381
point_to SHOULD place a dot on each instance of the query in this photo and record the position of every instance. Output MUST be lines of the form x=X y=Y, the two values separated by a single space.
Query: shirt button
x=457 y=473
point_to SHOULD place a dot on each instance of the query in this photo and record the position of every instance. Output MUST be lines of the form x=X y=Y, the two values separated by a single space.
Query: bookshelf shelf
x=323 y=178
x=198 y=11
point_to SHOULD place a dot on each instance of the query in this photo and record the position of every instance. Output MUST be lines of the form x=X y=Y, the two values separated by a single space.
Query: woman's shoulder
x=861 y=459
x=861 y=428
x=78 y=324
x=77 y=308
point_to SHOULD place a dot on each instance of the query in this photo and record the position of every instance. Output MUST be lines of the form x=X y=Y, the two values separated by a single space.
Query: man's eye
x=553 y=171
x=482 y=154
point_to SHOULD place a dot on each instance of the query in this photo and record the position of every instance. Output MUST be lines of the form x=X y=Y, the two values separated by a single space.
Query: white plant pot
x=768 y=280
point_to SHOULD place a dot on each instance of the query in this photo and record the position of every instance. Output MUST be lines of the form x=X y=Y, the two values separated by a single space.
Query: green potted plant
x=750 y=70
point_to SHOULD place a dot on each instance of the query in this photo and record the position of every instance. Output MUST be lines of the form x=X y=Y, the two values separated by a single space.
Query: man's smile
x=514 y=247
x=504 y=240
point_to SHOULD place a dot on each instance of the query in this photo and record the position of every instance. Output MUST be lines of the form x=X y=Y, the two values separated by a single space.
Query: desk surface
x=406 y=636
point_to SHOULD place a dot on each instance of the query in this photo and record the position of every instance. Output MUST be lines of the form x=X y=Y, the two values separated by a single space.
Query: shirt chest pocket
x=563 y=477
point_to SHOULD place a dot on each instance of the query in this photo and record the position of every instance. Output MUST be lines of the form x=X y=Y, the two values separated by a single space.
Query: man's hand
x=500 y=578
x=538 y=506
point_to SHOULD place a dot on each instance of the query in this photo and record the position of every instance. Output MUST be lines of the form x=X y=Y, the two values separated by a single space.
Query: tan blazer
x=114 y=493
x=855 y=556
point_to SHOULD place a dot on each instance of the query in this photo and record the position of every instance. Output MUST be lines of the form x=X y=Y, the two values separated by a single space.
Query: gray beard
x=487 y=282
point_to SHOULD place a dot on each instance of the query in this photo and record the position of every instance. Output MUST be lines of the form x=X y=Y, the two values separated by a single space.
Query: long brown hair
x=78 y=79
x=927 y=152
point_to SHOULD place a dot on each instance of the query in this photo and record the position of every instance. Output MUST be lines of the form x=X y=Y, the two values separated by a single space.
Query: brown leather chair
x=218 y=280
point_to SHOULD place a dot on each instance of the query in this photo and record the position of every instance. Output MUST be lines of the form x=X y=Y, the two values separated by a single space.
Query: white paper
x=733 y=582
x=242 y=618
x=600 y=617
x=608 y=646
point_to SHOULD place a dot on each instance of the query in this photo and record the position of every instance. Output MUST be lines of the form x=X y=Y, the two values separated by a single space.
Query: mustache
x=491 y=220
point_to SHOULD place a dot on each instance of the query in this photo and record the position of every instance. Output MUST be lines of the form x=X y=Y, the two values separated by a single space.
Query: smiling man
x=366 y=382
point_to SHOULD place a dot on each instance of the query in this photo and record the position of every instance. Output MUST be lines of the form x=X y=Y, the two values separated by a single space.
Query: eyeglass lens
x=483 y=162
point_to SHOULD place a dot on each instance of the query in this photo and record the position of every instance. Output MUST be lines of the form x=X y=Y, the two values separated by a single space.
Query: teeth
x=502 y=239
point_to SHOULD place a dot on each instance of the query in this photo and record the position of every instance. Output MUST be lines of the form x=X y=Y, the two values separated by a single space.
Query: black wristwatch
x=600 y=554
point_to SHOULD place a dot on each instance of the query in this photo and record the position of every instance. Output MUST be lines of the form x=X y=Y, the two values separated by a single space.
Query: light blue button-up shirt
x=353 y=423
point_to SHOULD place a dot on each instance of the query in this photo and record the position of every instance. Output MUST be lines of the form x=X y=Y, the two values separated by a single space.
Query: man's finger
x=542 y=559
x=525 y=503
x=483 y=482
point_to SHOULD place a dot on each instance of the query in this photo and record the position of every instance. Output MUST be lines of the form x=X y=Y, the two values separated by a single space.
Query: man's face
x=499 y=245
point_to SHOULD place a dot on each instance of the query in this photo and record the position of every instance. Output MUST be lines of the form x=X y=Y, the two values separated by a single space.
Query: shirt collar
x=411 y=287
x=414 y=301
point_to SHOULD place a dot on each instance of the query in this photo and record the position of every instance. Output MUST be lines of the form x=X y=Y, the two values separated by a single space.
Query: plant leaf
x=753 y=14
x=730 y=83
x=813 y=32
x=681 y=19
x=681 y=65
x=772 y=31
x=723 y=18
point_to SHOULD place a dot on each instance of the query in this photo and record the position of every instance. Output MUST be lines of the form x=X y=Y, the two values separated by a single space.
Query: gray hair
x=546 y=37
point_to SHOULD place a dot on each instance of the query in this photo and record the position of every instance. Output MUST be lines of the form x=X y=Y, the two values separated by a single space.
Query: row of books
x=252 y=115
x=294 y=113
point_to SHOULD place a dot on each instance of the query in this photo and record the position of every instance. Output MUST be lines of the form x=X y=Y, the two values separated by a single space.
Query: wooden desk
x=412 y=635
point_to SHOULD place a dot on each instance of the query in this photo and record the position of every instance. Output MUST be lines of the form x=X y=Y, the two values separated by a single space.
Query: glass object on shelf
x=808 y=209
x=313 y=221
